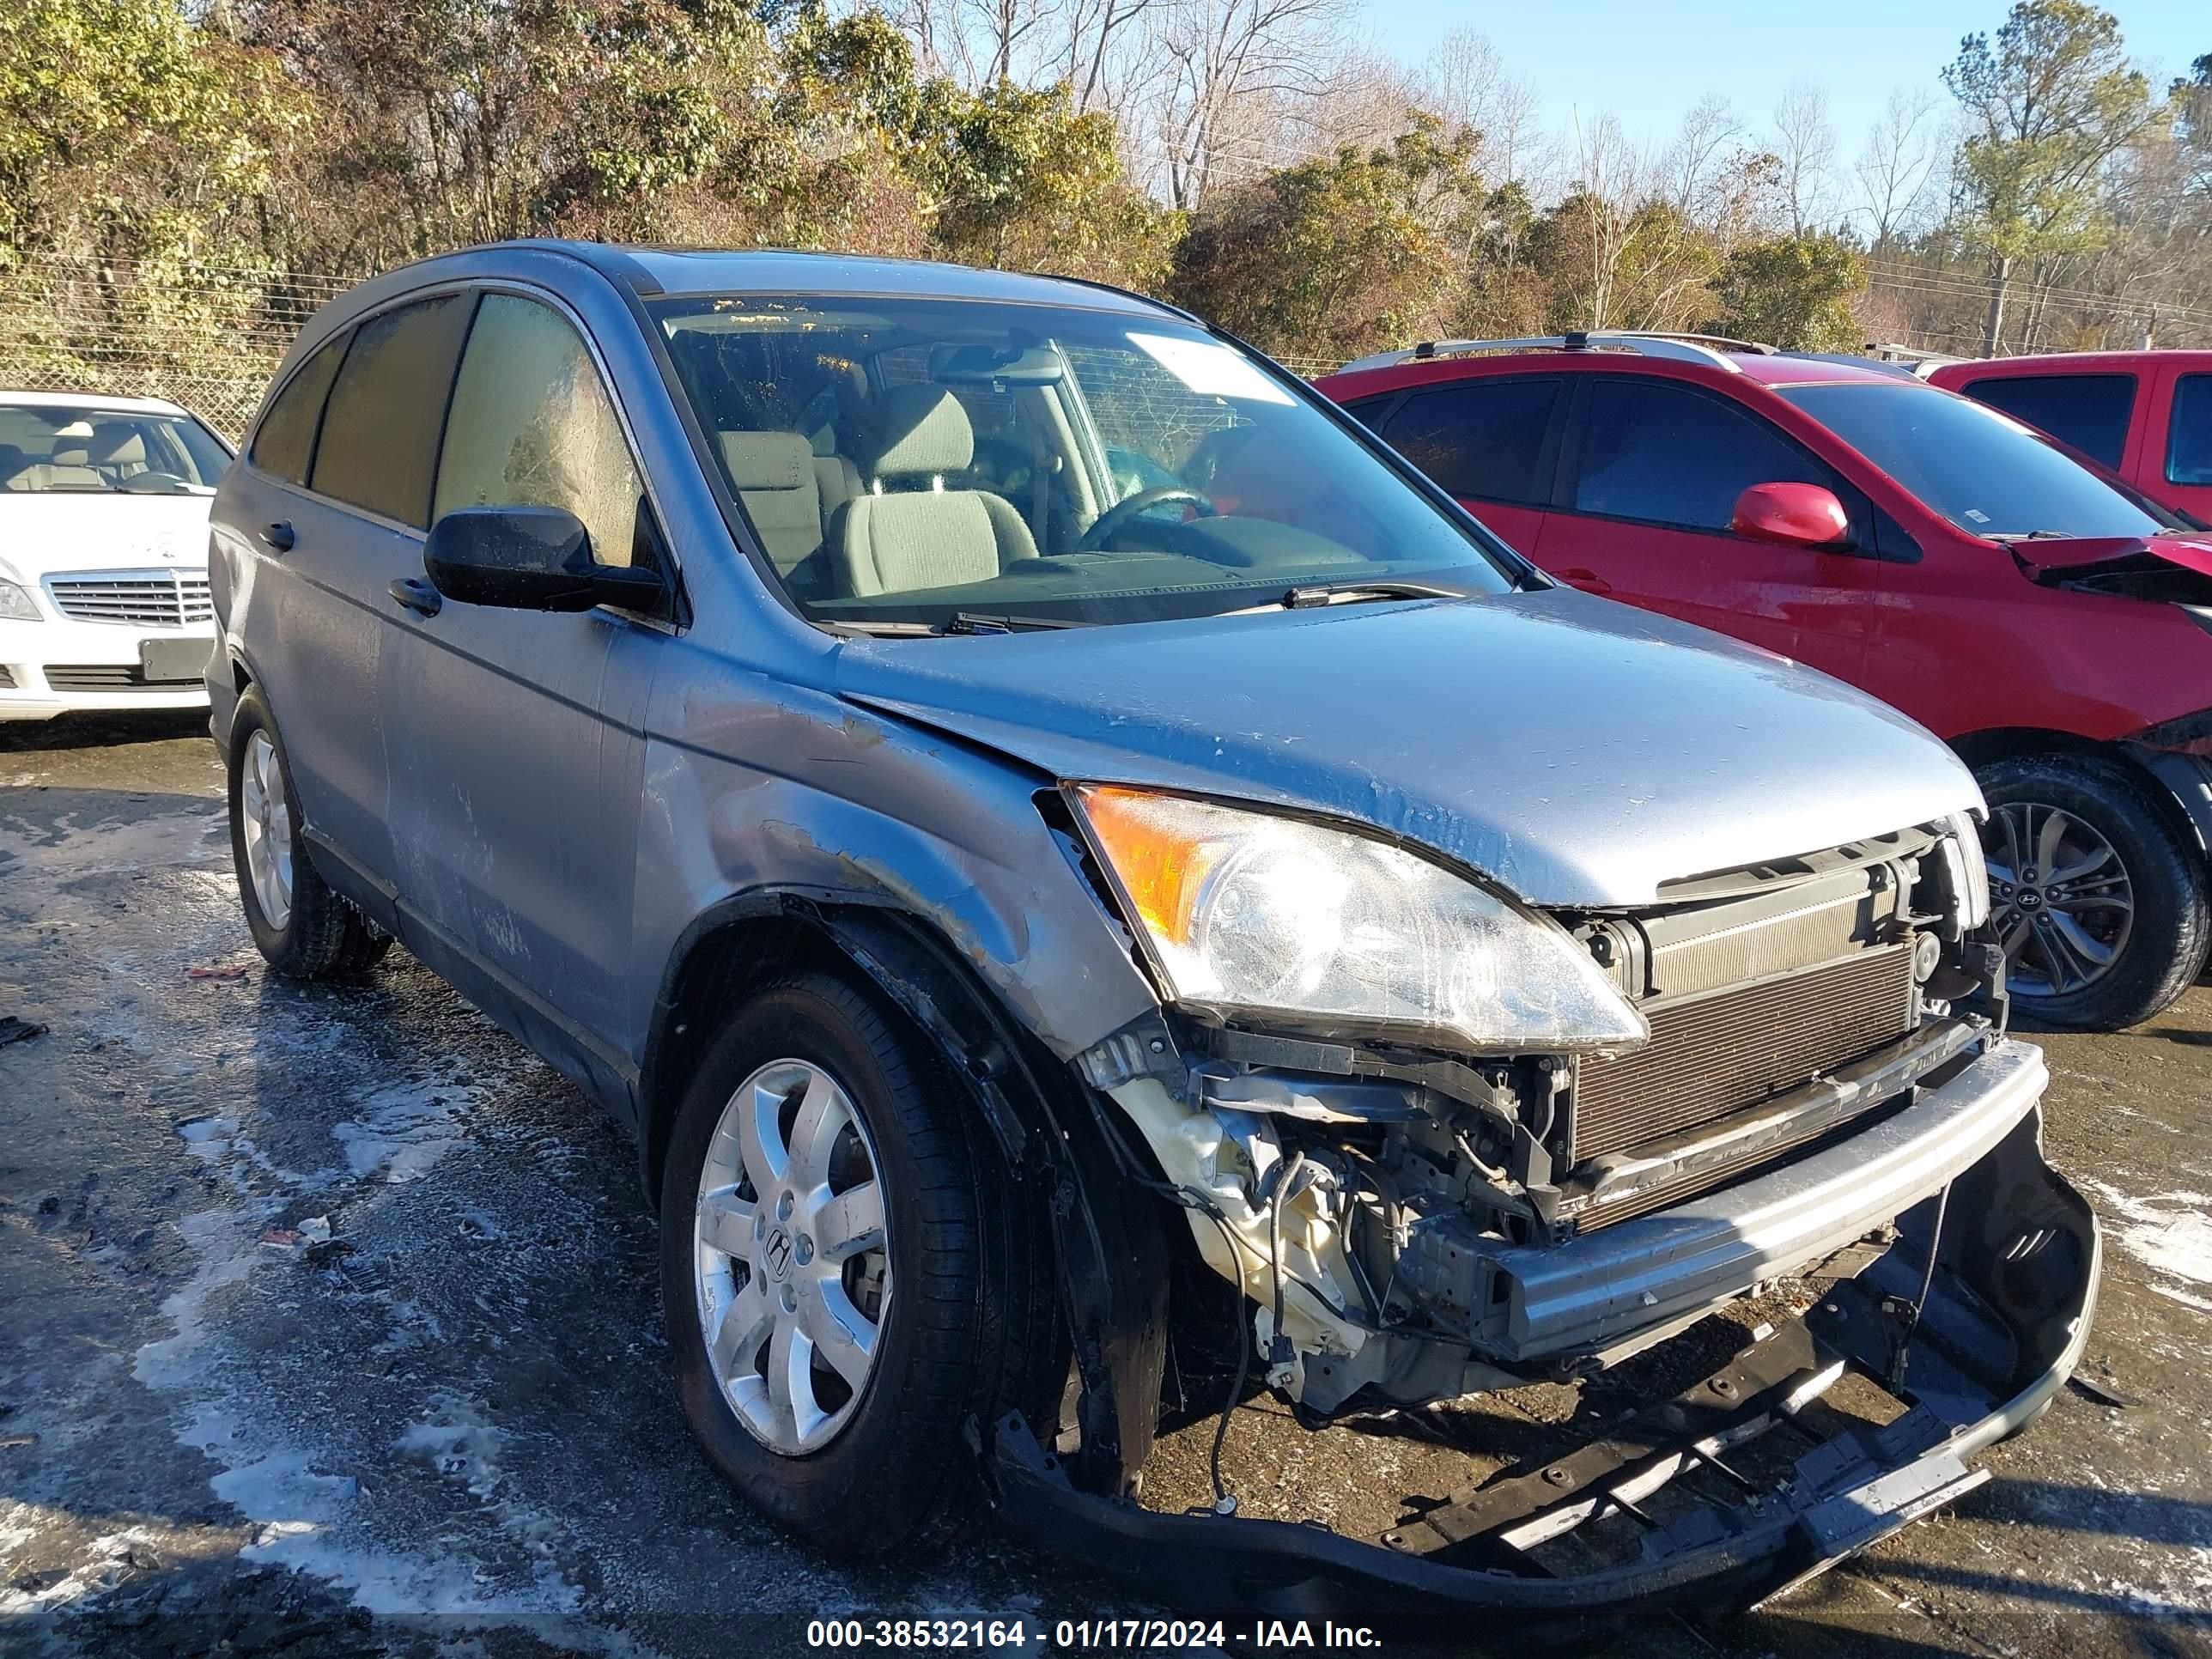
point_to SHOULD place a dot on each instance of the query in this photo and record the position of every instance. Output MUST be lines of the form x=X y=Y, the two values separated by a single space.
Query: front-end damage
x=1825 y=1100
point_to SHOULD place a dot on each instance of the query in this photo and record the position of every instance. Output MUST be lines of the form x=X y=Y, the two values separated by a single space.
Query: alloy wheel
x=792 y=1271
x=265 y=814
x=2060 y=896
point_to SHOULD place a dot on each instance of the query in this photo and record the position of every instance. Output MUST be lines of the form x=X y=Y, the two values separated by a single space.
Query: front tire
x=304 y=930
x=2101 y=909
x=849 y=1276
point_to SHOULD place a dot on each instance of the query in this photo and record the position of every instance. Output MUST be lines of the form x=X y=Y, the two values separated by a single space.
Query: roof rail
x=1710 y=349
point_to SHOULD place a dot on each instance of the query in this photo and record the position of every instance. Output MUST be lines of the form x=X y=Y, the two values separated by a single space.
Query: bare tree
x=1897 y=167
x=1690 y=167
x=1805 y=144
x=1227 y=61
x=1101 y=56
x=1465 y=82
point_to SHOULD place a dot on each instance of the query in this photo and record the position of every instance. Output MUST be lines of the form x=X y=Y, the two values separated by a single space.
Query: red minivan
x=2049 y=622
x=2146 y=415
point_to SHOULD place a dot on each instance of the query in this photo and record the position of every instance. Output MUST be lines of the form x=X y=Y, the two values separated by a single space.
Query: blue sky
x=1648 y=63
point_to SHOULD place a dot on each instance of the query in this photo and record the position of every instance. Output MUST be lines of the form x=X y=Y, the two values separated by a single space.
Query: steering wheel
x=1122 y=511
x=153 y=483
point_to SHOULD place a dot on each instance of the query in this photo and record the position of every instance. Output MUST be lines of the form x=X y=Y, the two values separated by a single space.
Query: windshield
x=1983 y=471
x=921 y=462
x=53 y=449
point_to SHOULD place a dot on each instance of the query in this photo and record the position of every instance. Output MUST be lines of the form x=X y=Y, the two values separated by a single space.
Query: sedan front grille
x=177 y=599
x=1717 y=1055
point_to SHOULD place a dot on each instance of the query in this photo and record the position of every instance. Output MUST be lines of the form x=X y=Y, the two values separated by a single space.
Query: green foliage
x=1793 y=292
x=123 y=129
x=2049 y=104
x=1322 y=259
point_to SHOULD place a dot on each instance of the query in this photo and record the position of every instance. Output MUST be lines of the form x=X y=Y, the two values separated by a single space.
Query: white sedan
x=103 y=553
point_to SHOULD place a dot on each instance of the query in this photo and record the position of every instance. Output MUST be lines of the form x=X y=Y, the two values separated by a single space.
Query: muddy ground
x=445 y=1428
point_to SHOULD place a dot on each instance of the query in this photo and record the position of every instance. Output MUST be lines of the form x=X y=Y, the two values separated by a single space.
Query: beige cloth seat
x=68 y=468
x=776 y=478
x=908 y=531
x=116 y=448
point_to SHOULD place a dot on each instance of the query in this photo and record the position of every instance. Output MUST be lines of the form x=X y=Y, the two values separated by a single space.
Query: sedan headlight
x=1249 y=913
x=17 y=604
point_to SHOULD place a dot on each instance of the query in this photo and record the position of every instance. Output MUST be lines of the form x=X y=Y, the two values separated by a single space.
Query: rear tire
x=2102 y=909
x=965 y=1328
x=304 y=930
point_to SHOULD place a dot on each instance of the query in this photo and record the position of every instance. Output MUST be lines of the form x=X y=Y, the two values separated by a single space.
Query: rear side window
x=2189 y=438
x=1479 y=438
x=379 y=442
x=1669 y=455
x=285 y=442
x=533 y=426
x=2089 y=412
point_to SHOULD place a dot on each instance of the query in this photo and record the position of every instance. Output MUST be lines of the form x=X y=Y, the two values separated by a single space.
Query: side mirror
x=1794 y=514
x=529 y=558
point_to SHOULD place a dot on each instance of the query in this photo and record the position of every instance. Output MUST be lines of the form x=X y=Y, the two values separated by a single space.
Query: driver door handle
x=414 y=593
x=278 y=536
x=1584 y=578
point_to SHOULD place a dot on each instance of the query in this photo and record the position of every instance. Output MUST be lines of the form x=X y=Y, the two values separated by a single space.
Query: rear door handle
x=279 y=536
x=416 y=593
x=1589 y=581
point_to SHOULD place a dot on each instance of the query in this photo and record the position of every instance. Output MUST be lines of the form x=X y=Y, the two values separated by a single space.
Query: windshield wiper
x=970 y=622
x=1300 y=599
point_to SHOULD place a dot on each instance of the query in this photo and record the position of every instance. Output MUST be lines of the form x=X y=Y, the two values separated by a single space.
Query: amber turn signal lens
x=1161 y=867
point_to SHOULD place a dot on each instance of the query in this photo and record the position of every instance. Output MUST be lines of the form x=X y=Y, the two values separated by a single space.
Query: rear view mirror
x=1793 y=514
x=529 y=558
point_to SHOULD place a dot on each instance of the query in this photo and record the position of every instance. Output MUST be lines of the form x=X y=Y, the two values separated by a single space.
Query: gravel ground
x=328 y=1326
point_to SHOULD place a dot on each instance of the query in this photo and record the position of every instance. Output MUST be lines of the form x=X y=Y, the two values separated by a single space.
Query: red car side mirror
x=1794 y=514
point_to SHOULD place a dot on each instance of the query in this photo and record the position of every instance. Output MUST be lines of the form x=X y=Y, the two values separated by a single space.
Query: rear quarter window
x=2087 y=412
x=379 y=447
x=1481 y=439
x=284 y=443
x=2189 y=437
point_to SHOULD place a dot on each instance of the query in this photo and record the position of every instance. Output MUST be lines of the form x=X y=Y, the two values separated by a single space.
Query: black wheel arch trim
x=2188 y=780
x=1110 y=1250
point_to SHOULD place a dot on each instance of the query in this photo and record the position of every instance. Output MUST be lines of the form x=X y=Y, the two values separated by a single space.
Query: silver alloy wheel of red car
x=792 y=1263
x=2060 y=895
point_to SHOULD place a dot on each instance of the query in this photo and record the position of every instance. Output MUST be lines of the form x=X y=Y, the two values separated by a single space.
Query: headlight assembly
x=1247 y=913
x=17 y=604
x=1969 y=872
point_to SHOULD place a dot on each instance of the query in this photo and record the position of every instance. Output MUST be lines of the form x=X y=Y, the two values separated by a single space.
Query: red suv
x=2051 y=623
x=2146 y=415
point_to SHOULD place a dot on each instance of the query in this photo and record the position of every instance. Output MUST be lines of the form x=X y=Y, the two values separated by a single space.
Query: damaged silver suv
x=1036 y=820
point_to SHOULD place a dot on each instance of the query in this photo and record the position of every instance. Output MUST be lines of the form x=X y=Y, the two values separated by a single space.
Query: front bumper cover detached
x=2001 y=1325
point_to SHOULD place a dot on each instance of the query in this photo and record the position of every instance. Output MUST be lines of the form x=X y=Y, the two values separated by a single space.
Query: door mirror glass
x=1793 y=514
x=528 y=558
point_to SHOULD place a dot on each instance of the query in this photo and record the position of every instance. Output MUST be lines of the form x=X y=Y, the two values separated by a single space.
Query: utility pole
x=2149 y=327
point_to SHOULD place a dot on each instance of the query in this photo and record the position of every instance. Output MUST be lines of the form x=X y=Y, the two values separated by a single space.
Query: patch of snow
x=2170 y=1233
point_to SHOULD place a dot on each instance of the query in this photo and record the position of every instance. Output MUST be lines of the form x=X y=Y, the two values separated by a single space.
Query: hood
x=2076 y=553
x=44 y=535
x=1576 y=750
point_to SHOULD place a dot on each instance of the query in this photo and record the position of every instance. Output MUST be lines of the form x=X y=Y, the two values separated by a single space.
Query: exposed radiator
x=1717 y=1055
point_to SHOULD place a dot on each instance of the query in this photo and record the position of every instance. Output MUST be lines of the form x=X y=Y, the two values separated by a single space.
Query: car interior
x=59 y=450
x=944 y=455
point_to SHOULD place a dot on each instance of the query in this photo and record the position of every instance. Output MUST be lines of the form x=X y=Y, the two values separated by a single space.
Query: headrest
x=115 y=443
x=919 y=429
x=71 y=452
x=768 y=460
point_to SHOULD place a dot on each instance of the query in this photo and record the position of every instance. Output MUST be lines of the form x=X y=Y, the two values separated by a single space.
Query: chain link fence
x=201 y=334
